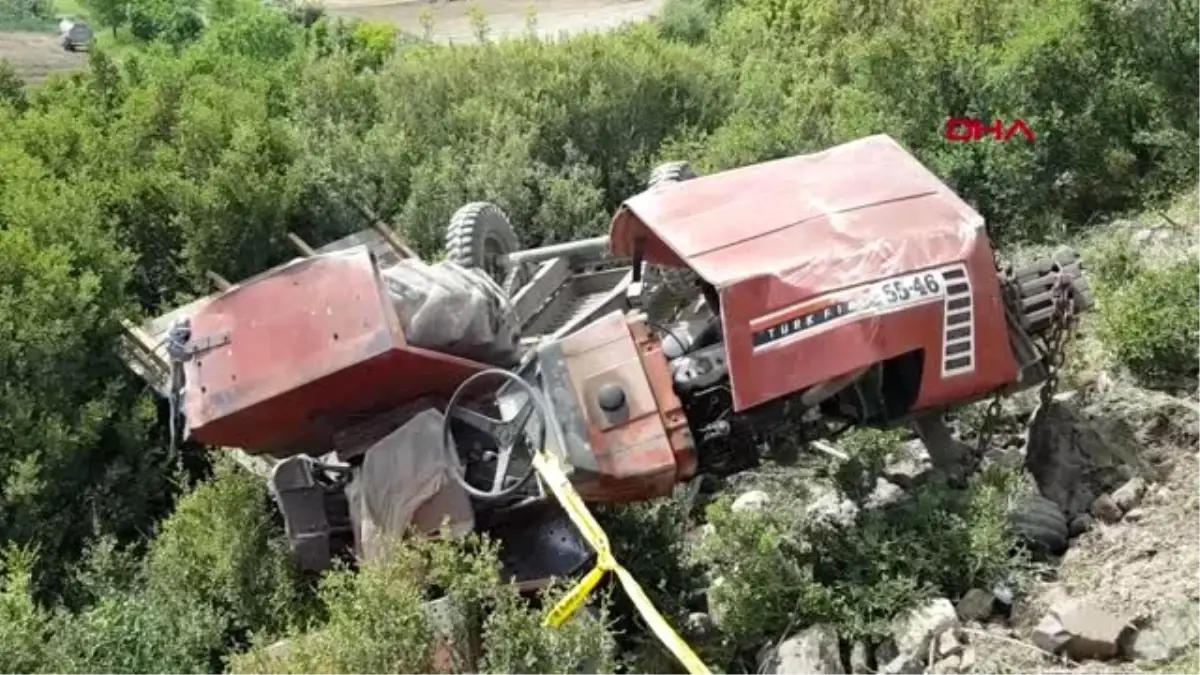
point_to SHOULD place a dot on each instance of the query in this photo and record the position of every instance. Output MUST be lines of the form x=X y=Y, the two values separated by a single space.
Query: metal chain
x=1061 y=331
x=987 y=427
x=992 y=414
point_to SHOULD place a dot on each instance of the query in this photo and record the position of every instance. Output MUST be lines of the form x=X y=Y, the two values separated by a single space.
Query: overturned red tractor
x=845 y=288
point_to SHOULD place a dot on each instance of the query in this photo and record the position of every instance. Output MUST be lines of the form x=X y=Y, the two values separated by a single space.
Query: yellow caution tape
x=551 y=471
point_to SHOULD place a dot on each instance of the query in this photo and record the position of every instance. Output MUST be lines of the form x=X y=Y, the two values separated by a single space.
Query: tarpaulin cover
x=404 y=481
x=452 y=310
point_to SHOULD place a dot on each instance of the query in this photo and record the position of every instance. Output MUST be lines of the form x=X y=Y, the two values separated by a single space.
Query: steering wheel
x=508 y=436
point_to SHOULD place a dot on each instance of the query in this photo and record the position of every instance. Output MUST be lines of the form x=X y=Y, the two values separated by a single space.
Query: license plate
x=908 y=290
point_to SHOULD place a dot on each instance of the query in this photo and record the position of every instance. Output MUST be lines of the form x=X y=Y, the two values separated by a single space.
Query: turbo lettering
x=802 y=323
x=967 y=129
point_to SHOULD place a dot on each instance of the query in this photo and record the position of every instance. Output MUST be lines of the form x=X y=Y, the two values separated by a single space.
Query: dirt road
x=36 y=55
x=505 y=18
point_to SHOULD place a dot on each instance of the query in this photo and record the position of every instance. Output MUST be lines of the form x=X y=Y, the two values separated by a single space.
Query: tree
x=111 y=13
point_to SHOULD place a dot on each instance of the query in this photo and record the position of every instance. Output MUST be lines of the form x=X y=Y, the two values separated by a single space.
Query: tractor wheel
x=478 y=237
x=1032 y=283
x=1041 y=525
x=671 y=287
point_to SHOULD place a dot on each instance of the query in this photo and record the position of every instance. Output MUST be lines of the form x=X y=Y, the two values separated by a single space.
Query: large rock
x=913 y=632
x=1082 y=631
x=860 y=659
x=946 y=666
x=910 y=466
x=902 y=665
x=1106 y=510
x=1167 y=637
x=754 y=500
x=884 y=495
x=1129 y=495
x=976 y=605
x=813 y=650
x=1073 y=457
x=831 y=509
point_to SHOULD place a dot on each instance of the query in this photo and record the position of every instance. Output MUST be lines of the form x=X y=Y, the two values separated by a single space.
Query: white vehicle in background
x=74 y=34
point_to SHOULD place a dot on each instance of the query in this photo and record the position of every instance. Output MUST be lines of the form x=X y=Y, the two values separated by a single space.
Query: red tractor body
x=279 y=363
x=844 y=288
x=831 y=262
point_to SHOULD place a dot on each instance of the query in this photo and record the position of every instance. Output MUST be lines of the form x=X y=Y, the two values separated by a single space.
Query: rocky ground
x=1123 y=599
x=1123 y=464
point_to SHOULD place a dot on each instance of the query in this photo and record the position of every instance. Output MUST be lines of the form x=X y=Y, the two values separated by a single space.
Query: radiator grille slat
x=958 y=324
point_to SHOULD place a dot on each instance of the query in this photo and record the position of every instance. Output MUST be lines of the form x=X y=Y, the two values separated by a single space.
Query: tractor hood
x=856 y=212
x=781 y=238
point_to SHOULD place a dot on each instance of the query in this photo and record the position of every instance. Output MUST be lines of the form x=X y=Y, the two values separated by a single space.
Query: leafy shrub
x=24 y=625
x=376 y=42
x=1149 y=321
x=687 y=20
x=175 y=23
x=221 y=549
x=377 y=622
x=139 y=631
x=26 y=14
x=869 y=451
x=1113 y=262
x=776 y=569
x=126 y=628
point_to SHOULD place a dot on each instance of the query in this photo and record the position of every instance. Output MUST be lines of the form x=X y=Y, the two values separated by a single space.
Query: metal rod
x=393 y=241
x=219 y=281
x=829 y=450
x=301 y=245
x=583 y=247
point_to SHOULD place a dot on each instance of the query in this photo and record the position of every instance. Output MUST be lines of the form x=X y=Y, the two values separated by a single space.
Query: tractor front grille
x=958 y=337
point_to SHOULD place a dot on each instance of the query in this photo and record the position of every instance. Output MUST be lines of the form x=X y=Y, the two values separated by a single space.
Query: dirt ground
x=1136 y=570
x=505 y=18
x=36 y=55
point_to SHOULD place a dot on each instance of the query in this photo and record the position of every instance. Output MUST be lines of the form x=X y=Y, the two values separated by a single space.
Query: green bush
x=26 y=14
x=1113 y=262
x=222 y=549
x=1149 y=322
x=776 y=569
x=687 y=20
x=126 y=628
x=377 y=622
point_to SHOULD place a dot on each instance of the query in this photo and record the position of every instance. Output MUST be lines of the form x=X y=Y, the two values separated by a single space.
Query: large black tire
x=671 y=287
x=1031 y=285
x=1041 y=525
x=478 y=233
